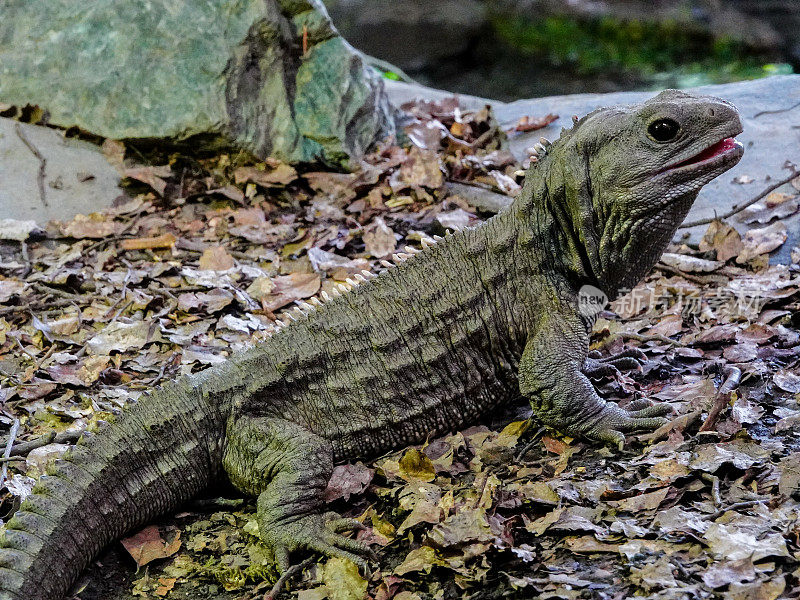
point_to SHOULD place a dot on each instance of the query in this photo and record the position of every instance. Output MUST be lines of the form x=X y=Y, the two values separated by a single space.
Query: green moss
x=644 y=49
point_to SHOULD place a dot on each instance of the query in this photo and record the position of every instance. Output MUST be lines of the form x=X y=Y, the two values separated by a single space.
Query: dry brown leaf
x=95 y=225
x=152 y=176
x=421 y=168
x=527 y=123
x=149 y=545
x=289 y=288
x=281 y=175
x=379 y=240
x=348 y=480
x=216 y=258
x=762 y=241
x=723 y=239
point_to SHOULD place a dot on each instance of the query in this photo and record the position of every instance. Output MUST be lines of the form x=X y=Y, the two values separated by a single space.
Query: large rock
x=271 y=76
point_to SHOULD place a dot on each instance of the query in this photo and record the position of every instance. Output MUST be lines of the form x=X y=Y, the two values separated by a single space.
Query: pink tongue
x=716 y=149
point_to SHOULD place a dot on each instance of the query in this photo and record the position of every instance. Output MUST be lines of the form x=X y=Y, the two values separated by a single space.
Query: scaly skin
x=482 y=317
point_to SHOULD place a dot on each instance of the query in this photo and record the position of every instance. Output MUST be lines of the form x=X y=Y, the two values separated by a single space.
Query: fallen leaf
x=723 y=239
x=379 y=239
x=527 y=123
x=151 y=176
x=280 y=175
x=762 y=241
x=149 y=545
x=588 y=545
x=216 y=258
x=729 y=542
x=421 y=168
x=642 y=502
x=121 y=336
x=289 y=288
x=776 y=205
x=10 y=288
x=342 y=580
x=788 y=381
x=690 y=264
x=94 y=225
x=348 y=480
x=416 y=466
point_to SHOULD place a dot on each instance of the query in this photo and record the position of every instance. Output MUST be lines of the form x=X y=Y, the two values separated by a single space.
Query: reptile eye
x=664 y=130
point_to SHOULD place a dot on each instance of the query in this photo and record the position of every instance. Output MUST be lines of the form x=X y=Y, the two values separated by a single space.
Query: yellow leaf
x=416 y=466
x=343 y=581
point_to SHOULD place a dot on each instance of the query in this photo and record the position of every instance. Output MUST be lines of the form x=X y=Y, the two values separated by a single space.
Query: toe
x=637 y=405
x=656 y=410
x=351 y=545
x=341 y=524
x=612 y=437
x=625 y=364
x=332 y=549
x=641 y=423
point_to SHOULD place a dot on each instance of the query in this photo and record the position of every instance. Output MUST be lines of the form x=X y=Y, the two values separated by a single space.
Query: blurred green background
x=508 y=49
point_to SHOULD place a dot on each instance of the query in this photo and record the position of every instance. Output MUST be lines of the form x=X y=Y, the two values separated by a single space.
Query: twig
x=713 y=279
x=49 y=289
x=775 y=112
x=732 y=377
x=290 y=572
x=217 y=503
x=681 y=424
x=65 y=437
x=714 y=481
x=533 y=441
x=49 y=306
x=47 y=355
x=735 y=506
x=24 y=351
x=638 y=337
x=739 y=209
x=11 y=437
x=42 y=163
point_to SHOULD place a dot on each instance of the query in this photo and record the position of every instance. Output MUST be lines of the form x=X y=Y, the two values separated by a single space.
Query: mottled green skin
x=482 y=317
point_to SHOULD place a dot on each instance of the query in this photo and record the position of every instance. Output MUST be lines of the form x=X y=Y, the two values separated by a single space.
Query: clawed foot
x=612 y=423
x=597 y=366
x=318 y=532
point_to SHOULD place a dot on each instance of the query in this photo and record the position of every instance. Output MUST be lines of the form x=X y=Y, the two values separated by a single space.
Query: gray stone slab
x=770 y=109
x=77 y=178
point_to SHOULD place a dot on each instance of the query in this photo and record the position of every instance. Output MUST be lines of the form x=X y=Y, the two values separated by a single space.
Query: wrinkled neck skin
x=609 y=249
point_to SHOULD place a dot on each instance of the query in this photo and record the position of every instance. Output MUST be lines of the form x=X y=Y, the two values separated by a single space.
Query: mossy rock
x=270 y=76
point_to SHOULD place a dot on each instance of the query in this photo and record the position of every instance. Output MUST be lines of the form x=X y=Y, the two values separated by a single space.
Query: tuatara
x=484 y=316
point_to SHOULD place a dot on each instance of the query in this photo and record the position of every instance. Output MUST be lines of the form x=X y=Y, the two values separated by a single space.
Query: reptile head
x=629 y=175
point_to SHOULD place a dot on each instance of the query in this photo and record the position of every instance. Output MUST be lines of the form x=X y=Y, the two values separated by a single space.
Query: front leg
x=551 y=377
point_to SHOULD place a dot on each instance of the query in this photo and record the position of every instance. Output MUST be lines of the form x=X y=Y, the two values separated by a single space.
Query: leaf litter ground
x=202 y=257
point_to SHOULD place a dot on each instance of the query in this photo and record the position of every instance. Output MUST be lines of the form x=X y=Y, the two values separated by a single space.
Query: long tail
x=162 y=451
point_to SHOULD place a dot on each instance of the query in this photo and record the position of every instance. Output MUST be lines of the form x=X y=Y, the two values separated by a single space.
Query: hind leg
x=288 y=468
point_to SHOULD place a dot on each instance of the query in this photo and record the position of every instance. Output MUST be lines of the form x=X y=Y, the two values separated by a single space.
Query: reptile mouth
x=715 y=153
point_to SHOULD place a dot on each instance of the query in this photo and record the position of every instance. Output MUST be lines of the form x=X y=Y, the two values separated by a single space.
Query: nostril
x=712 y=112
